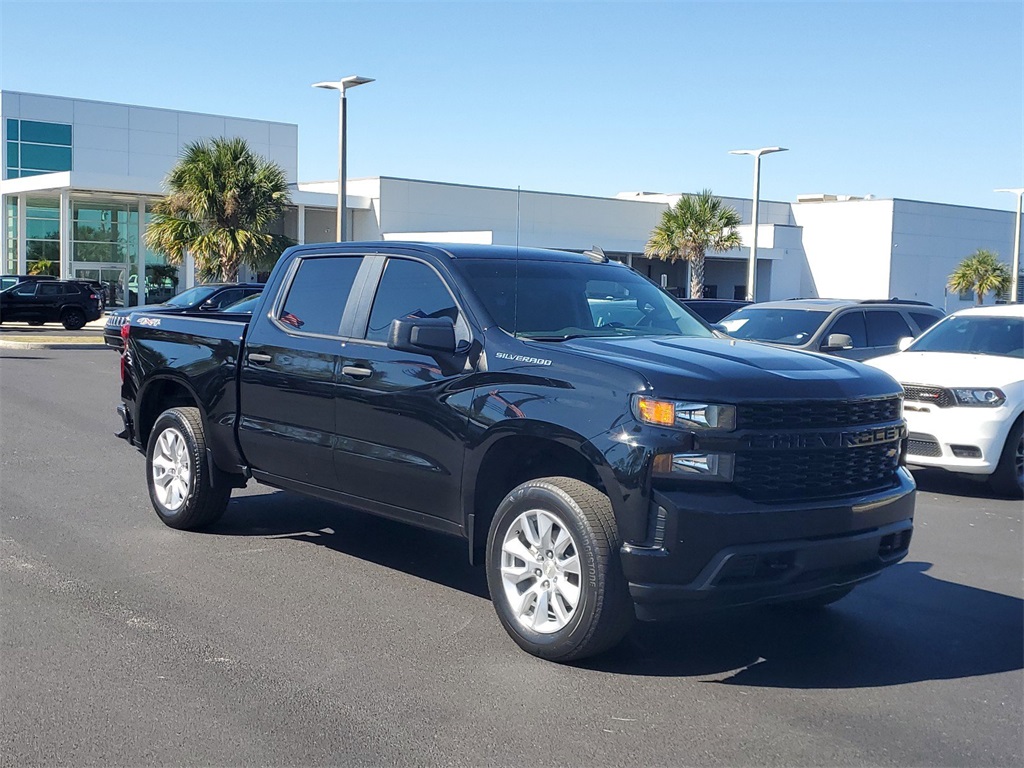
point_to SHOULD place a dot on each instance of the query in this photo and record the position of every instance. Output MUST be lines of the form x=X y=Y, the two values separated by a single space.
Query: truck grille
x=937 y=396
x=115 y=321
x=818 y=413
x=816 y=474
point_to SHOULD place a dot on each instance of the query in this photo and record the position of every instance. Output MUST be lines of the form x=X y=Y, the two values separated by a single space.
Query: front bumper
x=746 y=554
x=938 y=434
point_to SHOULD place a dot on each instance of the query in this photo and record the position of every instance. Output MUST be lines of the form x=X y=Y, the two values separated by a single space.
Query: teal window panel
x=12 y=129
x=46 y=133
x=42 y=229
x=25 y=173
x=12 y=173
x=43 y=249
x=12 y=155
x=41 y=208
x=47 y=159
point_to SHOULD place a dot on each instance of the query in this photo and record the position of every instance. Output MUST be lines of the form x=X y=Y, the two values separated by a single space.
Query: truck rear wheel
x=553 y=570
x=181 y=488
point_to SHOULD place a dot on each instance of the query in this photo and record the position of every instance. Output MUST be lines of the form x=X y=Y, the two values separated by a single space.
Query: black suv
x=211 y=297
x=69 y=302
x=857 y=330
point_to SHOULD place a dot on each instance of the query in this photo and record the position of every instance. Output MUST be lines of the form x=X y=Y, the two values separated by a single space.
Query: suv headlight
x=984 y=397
x=685 y=415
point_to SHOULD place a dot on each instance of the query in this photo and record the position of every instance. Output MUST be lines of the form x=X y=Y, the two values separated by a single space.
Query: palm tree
x=980 y=272
x=695 y=225
x=222 y=198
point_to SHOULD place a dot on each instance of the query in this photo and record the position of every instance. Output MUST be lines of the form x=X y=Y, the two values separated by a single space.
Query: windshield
x=559 y=300
x=975 y=335
x=192 y=296
x=247 y=304
x=777 y=325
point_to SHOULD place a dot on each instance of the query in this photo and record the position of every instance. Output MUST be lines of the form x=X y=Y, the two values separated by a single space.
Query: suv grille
x=115 y=321
x=920 y=444
x=816 y=474
x=937 y=396
x=818 y=413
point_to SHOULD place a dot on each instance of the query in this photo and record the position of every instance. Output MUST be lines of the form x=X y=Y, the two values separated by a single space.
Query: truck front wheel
x=553 y=570
x=181 y=488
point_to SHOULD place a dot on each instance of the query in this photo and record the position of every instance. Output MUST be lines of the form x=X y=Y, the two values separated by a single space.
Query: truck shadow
x=905 y=626
x=931 y=480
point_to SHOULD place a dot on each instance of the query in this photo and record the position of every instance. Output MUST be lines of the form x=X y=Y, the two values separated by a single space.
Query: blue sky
x=914 y=100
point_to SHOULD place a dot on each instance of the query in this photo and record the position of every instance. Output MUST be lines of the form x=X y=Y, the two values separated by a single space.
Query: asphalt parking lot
x=298 y=633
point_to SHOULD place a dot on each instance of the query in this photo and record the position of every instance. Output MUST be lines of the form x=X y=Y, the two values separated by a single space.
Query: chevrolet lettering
x=603 y=454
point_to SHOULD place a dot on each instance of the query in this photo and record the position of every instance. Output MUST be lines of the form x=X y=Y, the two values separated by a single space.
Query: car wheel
x=553 y=570
x=1008 y=479
x=73 y=319
x=812 y=604
x=181 y=488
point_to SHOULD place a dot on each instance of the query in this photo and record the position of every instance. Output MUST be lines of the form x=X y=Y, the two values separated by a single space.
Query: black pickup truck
x=603 y=452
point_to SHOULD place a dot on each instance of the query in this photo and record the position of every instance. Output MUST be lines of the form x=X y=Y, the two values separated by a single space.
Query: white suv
x=964 y=394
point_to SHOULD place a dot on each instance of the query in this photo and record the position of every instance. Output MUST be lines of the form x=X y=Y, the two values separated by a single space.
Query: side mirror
x=208 y=306
x=837 y=341
x=904 y=342
x=720 y=328
x=423 y=335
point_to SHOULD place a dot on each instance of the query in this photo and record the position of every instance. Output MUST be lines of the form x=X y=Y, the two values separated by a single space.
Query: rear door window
x=852 y=324
x=886 y=327
x=924 y=321
x=318 y=293
x=50 y=289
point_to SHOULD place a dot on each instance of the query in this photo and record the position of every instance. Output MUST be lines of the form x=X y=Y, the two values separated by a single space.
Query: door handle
x=356 y=372
x=259 y=358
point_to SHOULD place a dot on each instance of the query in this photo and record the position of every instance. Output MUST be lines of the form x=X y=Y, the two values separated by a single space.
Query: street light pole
x=752 y=259
x=341 y=86
x=1015 y=269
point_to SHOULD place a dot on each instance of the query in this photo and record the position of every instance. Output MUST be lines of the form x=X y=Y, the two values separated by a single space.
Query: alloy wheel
x=540 y=571
x=172 y=469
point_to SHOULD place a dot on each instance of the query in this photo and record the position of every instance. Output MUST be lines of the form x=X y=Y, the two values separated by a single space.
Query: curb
x=39 y=344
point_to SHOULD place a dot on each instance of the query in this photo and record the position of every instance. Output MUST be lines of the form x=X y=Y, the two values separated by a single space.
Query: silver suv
x=857 y=330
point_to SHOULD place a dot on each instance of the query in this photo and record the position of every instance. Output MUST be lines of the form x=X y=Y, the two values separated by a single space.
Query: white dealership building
x=80 y=178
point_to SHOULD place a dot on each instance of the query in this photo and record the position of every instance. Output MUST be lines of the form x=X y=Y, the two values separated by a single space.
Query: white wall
x=930 y=239
x=143 y=142
x=847 y=246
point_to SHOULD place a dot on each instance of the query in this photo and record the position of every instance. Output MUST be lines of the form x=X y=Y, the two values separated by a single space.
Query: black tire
x=206 y=497
x=813 y=604
x=603 y=612
x=1007 y=479
x=73 y=319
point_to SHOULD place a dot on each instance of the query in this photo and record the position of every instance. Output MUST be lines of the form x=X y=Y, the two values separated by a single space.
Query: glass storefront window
x=104 y=235
x=162 y=279
x=42 y=236
x=11 y=212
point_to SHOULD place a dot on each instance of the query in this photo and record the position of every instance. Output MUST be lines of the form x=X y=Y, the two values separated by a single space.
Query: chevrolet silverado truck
x=604 y=453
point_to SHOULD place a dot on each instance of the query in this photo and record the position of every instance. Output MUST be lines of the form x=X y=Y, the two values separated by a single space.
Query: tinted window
x=852 y=324
x=193 y=296
x=554 y=300
x=408 y=289
x=924 y=321
x=317 y=295
x=25 y=289
x=778 y=325
x=49 y=289
x=228 y=297
x=886 y=327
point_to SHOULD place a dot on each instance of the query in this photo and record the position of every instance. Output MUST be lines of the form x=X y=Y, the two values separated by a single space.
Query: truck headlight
x=685 y=415
x=695 y=466
x=984 y=397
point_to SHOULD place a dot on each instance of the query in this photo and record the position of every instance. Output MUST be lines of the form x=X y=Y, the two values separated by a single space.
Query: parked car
x=243 y=307
x=857 y=330
x=599 y=472
x=68 y=302
x=713 y=310
x=211 y=297
x=9 y=281
x=964 y=395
